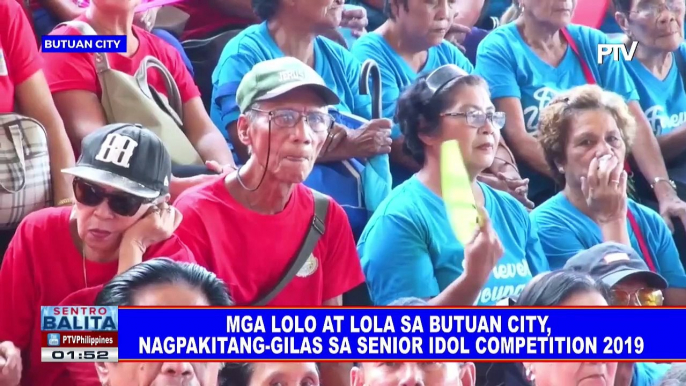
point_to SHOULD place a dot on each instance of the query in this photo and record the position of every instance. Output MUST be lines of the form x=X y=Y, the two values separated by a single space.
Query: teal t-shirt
x=564 y=231
x=649 y=374
x=396 y=75
x=513 y=69
x=663 y=100
x=336 y=65
x=408 y=248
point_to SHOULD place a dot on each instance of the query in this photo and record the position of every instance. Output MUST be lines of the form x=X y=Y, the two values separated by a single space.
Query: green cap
x=272 y=78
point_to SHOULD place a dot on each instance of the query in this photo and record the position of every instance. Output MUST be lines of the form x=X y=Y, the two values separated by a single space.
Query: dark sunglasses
x=122 y=204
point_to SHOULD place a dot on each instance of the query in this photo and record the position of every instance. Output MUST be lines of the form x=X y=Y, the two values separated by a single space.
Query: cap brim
x=329 y=97
x=102 y=177
x=652 y=279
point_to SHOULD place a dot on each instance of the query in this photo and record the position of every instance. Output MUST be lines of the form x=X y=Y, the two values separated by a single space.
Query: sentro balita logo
x=86 y=44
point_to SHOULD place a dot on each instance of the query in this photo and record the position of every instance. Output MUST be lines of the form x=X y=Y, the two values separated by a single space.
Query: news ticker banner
x=79 y=334
x=83 y=43
x=381 y=334
x=91 y=334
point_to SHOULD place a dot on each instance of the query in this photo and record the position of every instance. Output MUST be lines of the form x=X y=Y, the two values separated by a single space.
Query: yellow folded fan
x=457 y=193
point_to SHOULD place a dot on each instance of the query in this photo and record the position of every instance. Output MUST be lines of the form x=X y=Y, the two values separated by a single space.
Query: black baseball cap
x=126 y=157
x=613 y=262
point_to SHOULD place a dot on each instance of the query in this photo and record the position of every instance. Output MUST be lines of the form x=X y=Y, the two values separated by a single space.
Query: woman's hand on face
x=10 y=364
x=457 y=34
x=356 y=20
x=484 y=251
x=605 y=189
x=157 y=225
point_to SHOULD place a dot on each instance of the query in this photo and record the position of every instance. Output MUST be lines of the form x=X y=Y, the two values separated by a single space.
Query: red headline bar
x=84 y=339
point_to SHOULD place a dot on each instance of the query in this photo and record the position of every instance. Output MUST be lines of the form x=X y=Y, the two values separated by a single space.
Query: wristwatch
x=661 y=179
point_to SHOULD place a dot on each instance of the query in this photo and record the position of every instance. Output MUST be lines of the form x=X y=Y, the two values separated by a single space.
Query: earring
x=562 y=170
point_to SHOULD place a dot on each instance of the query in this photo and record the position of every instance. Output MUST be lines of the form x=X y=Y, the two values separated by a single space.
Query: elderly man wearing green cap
x=259 y=227
x=271 y=239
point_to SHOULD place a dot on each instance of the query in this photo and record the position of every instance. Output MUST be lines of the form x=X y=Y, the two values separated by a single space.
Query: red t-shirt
x=204 y=19
x=19 y=58
x=43 y=267
x=251 y=251
x=76 y=71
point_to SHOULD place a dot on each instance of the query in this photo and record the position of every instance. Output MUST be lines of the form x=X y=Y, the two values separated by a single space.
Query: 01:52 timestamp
x=100 y=355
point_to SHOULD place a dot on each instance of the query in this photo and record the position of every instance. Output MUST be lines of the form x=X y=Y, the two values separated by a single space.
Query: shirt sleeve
x=172 y=248
x=495 y=63
x=21 y=53
x=665 y=255
x=396 y=260
x=70 y=71
x=229 y=76
x=341 y=266
x=19 y=298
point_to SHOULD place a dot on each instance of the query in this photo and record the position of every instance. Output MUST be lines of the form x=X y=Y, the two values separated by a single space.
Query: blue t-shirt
x=564 y=231
x=649 y=374
x=339 y=69
x=409 y=249
x=513 y=69
x=662 y=101
x=396 y=75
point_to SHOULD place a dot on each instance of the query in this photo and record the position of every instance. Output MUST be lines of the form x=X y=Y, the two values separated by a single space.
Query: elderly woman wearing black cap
x=64 y=255
x=632 y=284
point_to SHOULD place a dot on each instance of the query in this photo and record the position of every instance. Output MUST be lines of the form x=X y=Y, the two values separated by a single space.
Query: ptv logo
x=615 y=49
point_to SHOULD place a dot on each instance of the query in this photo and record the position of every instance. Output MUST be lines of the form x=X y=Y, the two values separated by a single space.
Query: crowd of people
x=305 y=170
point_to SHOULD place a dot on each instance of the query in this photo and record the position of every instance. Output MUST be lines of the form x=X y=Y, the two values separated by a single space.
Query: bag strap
x=102 y=64
x=590 y=79
x=173 y=94
x=641 y=241
x=317 y=228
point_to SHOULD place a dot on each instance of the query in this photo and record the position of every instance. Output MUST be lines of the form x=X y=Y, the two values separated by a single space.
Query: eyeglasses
x=654 y=9
x=650 y=297
x=287 y=118
x=478 y=119
x=122 y=204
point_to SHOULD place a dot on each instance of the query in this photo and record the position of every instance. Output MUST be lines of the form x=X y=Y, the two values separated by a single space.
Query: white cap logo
x=612 y=257
x=285 y=76
x=117 y=149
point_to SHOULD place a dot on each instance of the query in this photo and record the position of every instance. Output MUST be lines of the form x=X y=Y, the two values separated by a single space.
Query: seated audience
x=264 y=211
x=270 y=373
x=23 y=90
x=208 y=18
x=632 y=284
x=160 y=282
x=76 y=89
x=659 y=79
x=529 y=61
x=411 y=41
x=424 y=259
x=585 y=134
x=120 y=219
x=292 y=29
